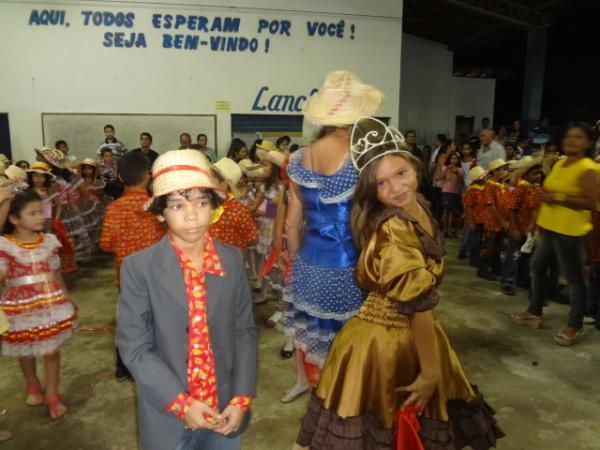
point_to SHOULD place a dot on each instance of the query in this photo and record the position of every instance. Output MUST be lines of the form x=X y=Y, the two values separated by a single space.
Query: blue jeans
x=207 y=440
x=511 y=263
x=592 y=307
x=568 y=250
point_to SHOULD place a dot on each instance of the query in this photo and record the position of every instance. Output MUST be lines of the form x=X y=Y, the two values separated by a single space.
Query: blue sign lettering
x=108 y=19
x=47 y=17
x=136 y=40
x=196 y=23
x=281 y=27
x=280 y=102
x=326 y=29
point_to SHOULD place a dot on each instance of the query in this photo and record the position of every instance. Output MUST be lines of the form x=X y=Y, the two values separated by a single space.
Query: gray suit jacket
x=153 y=340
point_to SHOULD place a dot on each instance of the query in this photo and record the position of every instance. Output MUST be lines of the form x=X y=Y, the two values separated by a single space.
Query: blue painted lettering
x=326 y=29
x=256 y=105
x=281 y=27
x=180 y=41
x=118 y=40
x=108 y=19
x=233 y=44
x=47 y=17
x=279 y=102
x=196 y=23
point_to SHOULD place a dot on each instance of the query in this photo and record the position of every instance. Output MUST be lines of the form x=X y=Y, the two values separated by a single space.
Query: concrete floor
x=546 y=396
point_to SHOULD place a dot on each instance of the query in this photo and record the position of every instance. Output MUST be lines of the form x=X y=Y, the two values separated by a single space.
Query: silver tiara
x=368 y=134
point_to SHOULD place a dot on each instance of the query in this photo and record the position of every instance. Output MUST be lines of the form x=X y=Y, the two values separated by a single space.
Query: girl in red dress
x=40 y=312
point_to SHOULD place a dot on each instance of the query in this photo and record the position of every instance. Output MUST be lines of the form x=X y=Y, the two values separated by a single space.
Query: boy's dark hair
x=293 y=148
x=17 y=204
x=131 y=168
x=185 y=134
x=200 y=135
x=159 y=204
x=282 y=139
x=47 y=180
x=236 y=145
x=104 y=150
x=108 y=125
x=148 y=135
x=59 y=143
x=18 y=163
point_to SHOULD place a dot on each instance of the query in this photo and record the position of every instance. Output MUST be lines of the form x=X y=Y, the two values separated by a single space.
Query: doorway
x=5 y=136
x=463 y=128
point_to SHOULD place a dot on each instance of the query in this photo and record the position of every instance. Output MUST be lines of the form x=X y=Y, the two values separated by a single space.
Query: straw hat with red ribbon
x=342 y=100
x=180 y=170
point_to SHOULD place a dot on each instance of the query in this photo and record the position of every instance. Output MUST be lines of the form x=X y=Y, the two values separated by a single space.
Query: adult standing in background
x=411 y=143
x=440 y=143
x=202 y=143
x=564 y=220
x=485 y=123
x=144 y=148
x=110 y=141
x=490 y=149
x=323 y=293
x=185 y=141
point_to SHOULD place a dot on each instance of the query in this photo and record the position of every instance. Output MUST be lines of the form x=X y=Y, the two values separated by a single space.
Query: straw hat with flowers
x=179 y=170
x=53 y=156
x=342 y=100
x=231 y=172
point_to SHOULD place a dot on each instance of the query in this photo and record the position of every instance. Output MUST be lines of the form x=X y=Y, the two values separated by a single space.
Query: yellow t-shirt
x=566 y=181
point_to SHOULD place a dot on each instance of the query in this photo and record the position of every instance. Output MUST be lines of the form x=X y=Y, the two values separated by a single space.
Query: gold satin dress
x=355 y=402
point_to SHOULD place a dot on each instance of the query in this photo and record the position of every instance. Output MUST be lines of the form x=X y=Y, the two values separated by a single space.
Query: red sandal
x=54 y=405
x=34 y=389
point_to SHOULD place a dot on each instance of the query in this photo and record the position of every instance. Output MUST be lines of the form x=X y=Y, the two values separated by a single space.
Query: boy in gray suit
x=185 y=326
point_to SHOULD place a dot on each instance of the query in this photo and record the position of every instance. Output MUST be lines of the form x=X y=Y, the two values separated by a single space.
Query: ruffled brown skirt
x=354 y=405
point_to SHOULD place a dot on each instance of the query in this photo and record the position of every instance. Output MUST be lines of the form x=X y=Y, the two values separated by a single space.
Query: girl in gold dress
x=391 y=379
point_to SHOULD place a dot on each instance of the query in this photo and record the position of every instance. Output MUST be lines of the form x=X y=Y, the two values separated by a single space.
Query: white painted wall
x=431 y=98
x=67 y=69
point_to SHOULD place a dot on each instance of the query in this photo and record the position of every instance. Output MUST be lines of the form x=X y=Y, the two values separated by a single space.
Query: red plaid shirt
x=202 y=377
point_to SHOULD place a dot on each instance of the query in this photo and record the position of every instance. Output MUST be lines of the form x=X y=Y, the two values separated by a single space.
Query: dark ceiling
x=471 y=24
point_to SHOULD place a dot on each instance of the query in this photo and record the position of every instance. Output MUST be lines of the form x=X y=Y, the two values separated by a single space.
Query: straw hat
x=522 y=166
x=231 y=173
x=497 y=164
x=477 y=173
x=266 y=151
x=178 y=170
x=15 y=173
x=89 y=162
x=4 y=159
x=247 y=164
x=259 y=171
x=40 y=167
x=342 y=100
x=54 y=157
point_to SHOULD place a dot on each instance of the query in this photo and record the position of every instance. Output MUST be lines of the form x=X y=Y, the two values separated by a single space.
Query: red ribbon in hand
x=408 y=426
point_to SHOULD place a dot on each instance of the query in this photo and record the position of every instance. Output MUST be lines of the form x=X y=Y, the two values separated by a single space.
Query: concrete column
x=533 y=87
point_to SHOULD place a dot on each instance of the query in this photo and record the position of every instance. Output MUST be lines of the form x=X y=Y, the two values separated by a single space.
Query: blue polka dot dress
x=322 y=294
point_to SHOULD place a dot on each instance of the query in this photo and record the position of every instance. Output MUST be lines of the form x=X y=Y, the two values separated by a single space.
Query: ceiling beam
x=507 y=11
